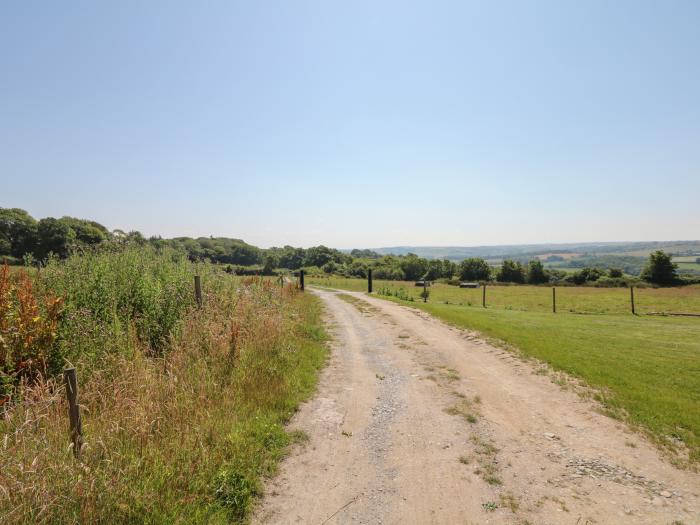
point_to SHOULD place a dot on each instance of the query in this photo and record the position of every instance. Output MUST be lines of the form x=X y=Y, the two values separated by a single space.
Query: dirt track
x=418 y=422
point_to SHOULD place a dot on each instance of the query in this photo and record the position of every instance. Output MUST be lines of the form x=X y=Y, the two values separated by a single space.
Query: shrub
x=116 y=294
x=28 y=326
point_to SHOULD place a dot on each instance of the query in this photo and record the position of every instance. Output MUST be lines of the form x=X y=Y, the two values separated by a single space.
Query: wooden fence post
x=70 y=378
x=483 y=296
x=425 y=291
x=554 y=299
x=198 y=290
x=632 y=299
x=369 y=280
x=301 y=280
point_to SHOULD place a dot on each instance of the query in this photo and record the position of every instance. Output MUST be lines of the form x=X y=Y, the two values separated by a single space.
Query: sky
x=356 y=124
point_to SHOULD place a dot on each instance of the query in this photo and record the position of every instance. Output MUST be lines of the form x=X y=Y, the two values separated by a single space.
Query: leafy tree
x=289 y=257
x=474 y=269
x=536 y=273
x=413 y=267
x=18 y=232
x=320 y=255
x=511 y=272
x=269 y=264
x=55 y=237
x=660 y=269
x=615 y=273
x=86 y=232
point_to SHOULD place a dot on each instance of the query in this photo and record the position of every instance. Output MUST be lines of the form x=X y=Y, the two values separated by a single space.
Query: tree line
x=22 y=236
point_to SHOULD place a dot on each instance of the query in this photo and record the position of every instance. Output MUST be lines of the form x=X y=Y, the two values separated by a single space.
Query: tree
x=55 y=237
x=86 y=232
x=615 y=273
x=660 y=269
x=413 y=267
x=474 y=269
x=511 y=272
x=291 y=258
x=586 y=275
x=536 y=274
x=269 y=264
x=18 y=232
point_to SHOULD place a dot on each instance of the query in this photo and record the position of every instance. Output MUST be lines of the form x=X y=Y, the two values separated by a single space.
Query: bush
x=28 y=326
x=116 y=294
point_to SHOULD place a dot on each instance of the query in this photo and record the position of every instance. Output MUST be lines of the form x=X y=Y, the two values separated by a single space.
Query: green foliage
x=116 y=293
x=586 y=275
x=511 y=272
x=660 y=269
x=18 y=232
x=364 y=254
x=413 y=267
x=474 y=269
x=55 y=237
x=536 y=273
x=234 y=491
x=615 y=273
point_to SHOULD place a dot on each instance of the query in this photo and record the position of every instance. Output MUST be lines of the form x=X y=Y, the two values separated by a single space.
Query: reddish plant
x=28 y=327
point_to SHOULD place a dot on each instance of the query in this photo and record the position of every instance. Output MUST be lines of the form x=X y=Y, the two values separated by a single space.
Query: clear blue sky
x=356 y=124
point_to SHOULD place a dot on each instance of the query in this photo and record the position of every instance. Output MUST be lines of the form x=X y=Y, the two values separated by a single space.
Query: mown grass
x=183 y=435
x=571 y=299
x=647 y=368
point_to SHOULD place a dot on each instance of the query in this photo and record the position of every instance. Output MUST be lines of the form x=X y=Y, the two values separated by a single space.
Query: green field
x=647 y=367
x=570 y=299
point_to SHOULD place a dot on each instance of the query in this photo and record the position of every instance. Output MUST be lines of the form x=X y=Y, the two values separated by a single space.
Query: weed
x=490 y=506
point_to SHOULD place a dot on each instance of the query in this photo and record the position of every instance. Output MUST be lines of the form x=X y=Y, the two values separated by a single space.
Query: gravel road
x=418 y=422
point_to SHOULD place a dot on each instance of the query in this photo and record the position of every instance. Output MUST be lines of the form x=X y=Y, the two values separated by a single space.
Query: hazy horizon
x=368 y=124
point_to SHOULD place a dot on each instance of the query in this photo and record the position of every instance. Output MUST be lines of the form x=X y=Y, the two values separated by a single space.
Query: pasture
x=570 y=299
x=645 y=368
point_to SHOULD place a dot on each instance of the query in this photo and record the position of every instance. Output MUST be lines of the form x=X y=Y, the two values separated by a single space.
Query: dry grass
x=183 y=438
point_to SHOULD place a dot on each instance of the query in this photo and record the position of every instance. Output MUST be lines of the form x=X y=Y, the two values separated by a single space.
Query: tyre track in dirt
x=418 y=422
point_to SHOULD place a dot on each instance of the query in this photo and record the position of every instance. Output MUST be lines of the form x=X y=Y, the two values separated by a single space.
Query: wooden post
x=554 y=299
x=425 y=291
x=632 y=299
x=198 y=290
x=301 y=280
x=70 y=378
x=483 y=296
x=369 y=280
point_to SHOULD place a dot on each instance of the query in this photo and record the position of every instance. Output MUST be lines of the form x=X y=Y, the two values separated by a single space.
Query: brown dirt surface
x=418 y=422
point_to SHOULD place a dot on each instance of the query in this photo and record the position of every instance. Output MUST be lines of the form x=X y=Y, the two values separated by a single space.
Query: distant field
x=570 y=299
x=645 y=366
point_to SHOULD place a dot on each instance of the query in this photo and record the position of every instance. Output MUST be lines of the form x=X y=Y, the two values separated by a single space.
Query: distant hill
x=522 y=250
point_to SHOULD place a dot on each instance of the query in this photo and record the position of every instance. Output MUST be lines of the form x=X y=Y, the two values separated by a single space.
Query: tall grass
x=183 y=411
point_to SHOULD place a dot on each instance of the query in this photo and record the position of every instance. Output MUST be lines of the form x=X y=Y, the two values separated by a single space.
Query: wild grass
x=645 y=368
x=182 y=435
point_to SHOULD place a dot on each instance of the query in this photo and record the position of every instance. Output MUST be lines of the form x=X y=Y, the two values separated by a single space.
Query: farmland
x=645 y=367
x=569 y=299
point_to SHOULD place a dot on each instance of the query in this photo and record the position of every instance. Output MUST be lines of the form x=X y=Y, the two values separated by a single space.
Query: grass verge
x=184 y=437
